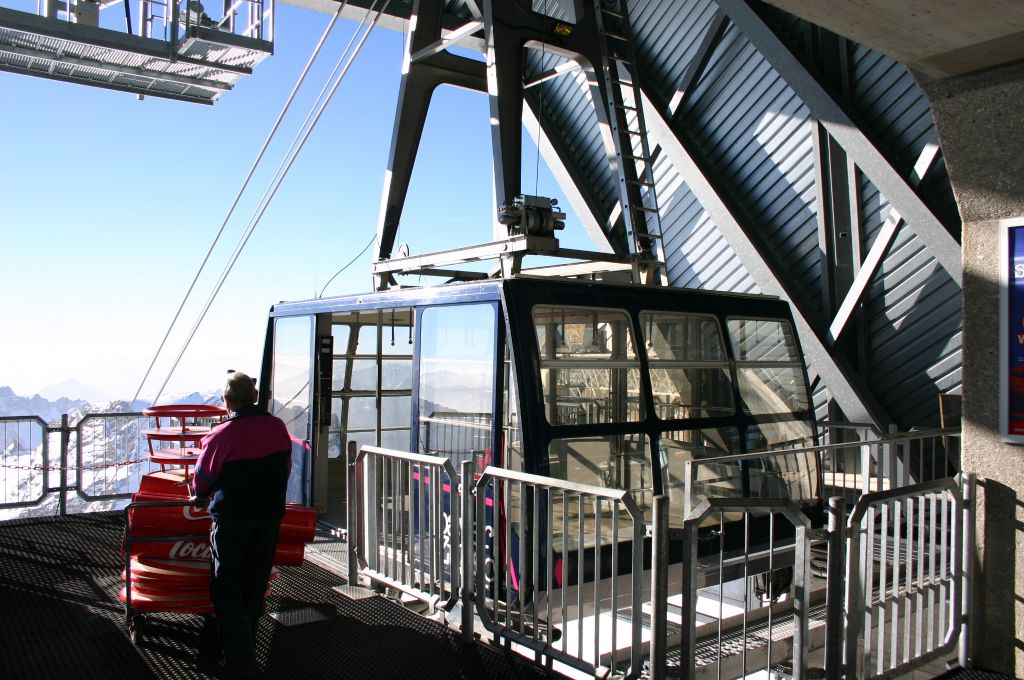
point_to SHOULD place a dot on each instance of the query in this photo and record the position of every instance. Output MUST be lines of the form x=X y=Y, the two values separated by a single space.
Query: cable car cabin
x=608 y=385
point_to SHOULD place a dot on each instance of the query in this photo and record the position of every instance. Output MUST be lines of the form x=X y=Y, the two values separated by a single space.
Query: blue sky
x=108 y=204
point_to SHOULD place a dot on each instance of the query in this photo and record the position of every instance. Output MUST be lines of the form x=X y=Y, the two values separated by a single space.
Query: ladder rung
x=644 y=208
x=611 y=13
x=626 y=107
x=616 y=36
x=639 y=183
x=631 y=157
x=621 y=60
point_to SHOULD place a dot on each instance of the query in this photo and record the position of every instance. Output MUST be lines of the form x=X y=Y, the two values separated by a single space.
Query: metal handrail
x=912 y=561
x=886 y=452
x=44 y=466
x=531 y=587
x=402 y=546
x=691 y=565
x=80 y=466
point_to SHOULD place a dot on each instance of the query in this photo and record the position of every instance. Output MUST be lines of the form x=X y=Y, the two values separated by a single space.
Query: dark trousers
x=242 y=555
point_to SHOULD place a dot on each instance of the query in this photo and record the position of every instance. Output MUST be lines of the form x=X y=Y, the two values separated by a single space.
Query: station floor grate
x=60 y=618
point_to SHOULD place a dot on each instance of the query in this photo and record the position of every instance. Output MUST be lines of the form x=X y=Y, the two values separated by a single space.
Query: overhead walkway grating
x=197 y=64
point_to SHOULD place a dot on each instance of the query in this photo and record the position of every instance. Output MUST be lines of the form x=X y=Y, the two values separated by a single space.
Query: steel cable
x=272 y=190
x=238 y=196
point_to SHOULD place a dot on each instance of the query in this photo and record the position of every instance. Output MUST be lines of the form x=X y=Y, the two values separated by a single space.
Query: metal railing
x=56 y=469
x=559 y=569
x=571 y=574
x=244 y=18
x=24 y=461
x=110 y=455
x=848 y=469
x=404 y=523
x=97 y=463
x=889 y=462
x=905 y=577
x=100 y=458
x=744 y=609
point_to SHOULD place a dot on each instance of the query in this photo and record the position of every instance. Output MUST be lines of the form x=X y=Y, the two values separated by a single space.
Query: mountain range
x=51 y=409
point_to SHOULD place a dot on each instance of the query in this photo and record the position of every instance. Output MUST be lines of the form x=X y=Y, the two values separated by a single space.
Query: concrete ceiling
x=940 y=38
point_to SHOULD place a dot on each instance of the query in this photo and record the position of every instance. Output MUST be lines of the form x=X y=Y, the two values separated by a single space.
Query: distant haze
x=72 y=389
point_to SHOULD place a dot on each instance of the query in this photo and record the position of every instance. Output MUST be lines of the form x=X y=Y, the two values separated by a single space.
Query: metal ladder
x=154 y=11
x=635 y=166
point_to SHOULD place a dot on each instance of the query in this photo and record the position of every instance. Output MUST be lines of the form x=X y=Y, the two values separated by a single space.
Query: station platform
x=61 y=618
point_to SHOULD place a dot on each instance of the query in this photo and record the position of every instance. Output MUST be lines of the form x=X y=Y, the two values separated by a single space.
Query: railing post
x=353 y=519
x=865 y=466
x=65 y=438
x=834 y=589
x=967 y=575
x=856 y=574
x=466 y=503
x=898 y=471
x=659 y=589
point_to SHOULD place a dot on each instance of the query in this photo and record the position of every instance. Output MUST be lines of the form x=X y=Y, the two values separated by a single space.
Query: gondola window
x=589 y=369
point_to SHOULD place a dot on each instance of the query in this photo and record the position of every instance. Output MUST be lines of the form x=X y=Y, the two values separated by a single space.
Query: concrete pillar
x=980 y=121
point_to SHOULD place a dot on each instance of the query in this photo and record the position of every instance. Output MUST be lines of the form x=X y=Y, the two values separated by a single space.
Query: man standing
x=243 y=472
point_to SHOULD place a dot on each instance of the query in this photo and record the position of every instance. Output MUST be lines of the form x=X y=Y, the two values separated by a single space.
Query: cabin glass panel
x=293 y=366
x=611 y=461
x=768 y=367
x=361 y=375
x=589 y=369
x=339 y=369
x=711 y=479
x=689 y=368
x=456 y=382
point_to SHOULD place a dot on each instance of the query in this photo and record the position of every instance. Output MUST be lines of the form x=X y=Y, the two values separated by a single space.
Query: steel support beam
x=450 y=40
x=712 y=38
x=419 y=79
x=853 y=396
x=573 y=184
x=941 y=244
x=879 y=249
x=511 y=27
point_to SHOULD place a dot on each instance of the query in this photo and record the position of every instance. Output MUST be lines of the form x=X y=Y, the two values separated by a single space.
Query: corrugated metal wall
x=758 y=139
x=913 y=310
x=757 y=142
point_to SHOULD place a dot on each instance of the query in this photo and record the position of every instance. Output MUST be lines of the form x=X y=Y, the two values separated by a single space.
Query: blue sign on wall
x=1016 y=331
x=1013 y=331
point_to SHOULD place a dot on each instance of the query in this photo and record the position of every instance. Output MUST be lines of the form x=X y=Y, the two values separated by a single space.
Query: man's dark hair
x=240 y=389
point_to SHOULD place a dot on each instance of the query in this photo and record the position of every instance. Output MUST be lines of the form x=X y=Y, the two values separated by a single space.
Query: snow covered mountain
x=111 y=448
x=51 y=410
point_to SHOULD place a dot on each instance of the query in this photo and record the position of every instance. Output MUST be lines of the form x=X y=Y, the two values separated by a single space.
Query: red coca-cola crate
x=167 y=549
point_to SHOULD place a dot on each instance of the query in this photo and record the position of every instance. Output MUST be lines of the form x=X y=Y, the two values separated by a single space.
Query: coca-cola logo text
x=190 y=550
x=192 y=513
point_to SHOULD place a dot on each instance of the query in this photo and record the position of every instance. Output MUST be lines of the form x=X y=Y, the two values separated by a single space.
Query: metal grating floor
x=205 y=65
x=60 y=618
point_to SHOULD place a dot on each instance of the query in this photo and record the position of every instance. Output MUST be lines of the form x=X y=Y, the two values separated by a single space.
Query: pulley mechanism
x=533 y=215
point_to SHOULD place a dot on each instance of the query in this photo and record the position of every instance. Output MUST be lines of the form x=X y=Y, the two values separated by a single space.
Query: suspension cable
x=238 y=196
x=272 y=191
